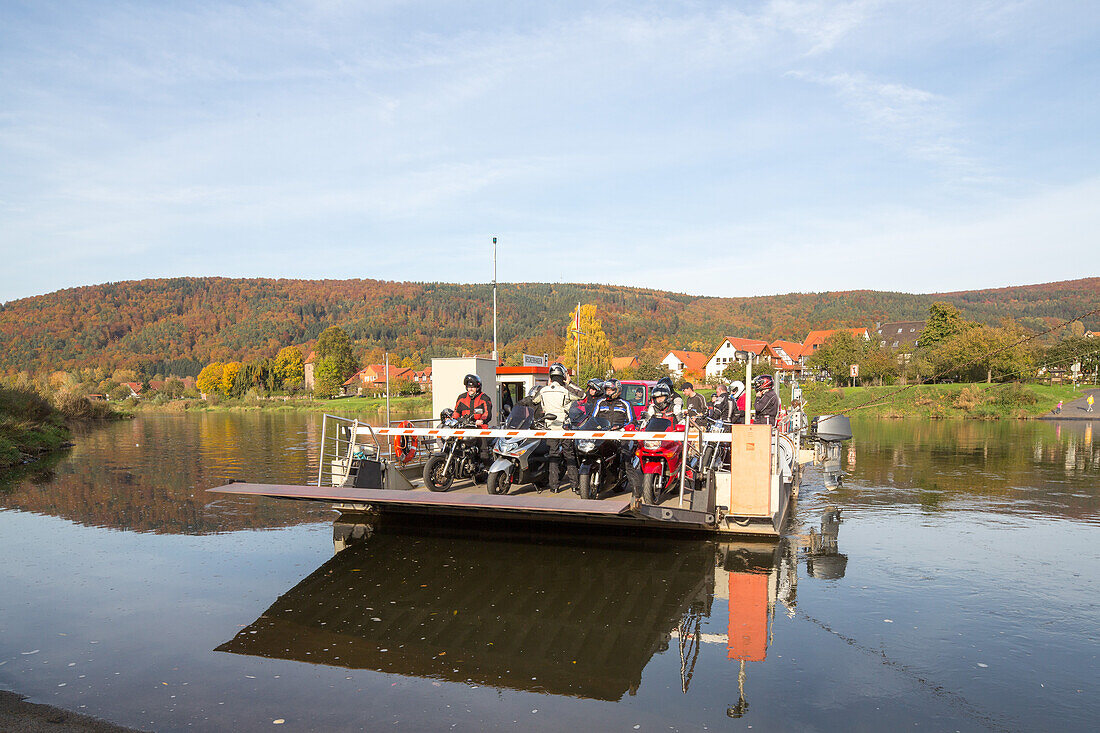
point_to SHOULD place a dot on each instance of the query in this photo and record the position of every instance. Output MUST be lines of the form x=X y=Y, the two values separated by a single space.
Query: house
x=815 y=339
x=310 y=363
x=680 y=362
x=374 y=375
x=423 y=377
x=734 y=350
x=785 y=357
x=135 y=388
x=903 y=335
x=618 y=363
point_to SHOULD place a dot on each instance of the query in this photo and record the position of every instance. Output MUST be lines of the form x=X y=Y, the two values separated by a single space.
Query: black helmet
x=661 y=396
x=612 y=388
x=558 y=372
x=595 y=383
x=667 y=381
x=472 y=380
x=446 y=414
x=763 y=383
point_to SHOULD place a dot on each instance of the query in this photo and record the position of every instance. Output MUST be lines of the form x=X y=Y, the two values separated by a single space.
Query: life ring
x=404 y=446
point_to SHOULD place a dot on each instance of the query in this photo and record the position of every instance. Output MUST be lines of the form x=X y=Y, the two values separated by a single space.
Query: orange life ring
x=404 y=446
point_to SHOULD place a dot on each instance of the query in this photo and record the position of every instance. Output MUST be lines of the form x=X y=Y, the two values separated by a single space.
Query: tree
x=944 y=321
x=981 y=353
x=229 y=376
x=210 y=378
x=289 y=368
x=335 y=362
x=837 y=354
x=737 y=371
x=327 y=378
x=595 y=348
x=173 y=387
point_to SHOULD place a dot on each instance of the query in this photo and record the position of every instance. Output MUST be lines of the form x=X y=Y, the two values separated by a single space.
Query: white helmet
x=737 y=389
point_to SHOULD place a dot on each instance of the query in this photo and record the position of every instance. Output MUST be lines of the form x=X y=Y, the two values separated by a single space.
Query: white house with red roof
x=680 y=362
x=734 y=350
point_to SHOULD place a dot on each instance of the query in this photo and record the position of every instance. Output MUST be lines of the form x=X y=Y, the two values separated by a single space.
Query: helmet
x=763 y=383
x=737 y=389
x=472 y=380
x=534 y=392
x=595 y=383
x=446 y=414
x=661 y=396
x=558 y=372
x=612 y=388
x=667 y=381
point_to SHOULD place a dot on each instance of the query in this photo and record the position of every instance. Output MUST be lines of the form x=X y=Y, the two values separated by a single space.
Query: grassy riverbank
x=936 y=401
x=29 y=426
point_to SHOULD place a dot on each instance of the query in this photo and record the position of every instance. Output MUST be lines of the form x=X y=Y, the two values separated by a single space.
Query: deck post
x=321 y=463
x=684 y=457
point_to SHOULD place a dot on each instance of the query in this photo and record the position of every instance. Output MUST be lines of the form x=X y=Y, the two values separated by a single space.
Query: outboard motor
x=828 y=432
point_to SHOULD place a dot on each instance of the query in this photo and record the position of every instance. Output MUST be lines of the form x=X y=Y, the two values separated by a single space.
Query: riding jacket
x=467 y=405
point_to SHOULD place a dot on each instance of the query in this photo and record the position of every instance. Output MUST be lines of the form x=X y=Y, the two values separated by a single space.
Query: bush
x=968 y=398
x=1014 y=395
x=75 y=405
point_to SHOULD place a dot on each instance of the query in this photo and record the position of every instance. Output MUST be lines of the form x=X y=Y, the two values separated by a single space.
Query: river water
x=951 y=583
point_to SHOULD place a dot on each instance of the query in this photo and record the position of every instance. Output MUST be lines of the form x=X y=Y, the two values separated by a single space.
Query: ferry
x=379 y=469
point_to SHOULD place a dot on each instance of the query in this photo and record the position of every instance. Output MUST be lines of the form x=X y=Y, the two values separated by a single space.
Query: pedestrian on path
x=1089 y=402
x=1058 y=409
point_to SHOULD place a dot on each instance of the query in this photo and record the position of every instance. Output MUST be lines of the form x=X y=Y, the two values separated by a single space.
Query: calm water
x=958 y=590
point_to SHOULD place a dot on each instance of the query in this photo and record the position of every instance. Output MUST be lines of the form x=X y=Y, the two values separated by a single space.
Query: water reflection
x=1033 y=467
x=150 y=474
x=561 y=614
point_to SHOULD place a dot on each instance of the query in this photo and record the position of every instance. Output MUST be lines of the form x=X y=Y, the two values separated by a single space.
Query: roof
x=793 y=348
x=816 y=338
x=134 y=386
x=312 y=357
x=623 y=362
x=900 y=333
x=691 y=360
x=756 y=347
x=377 y=369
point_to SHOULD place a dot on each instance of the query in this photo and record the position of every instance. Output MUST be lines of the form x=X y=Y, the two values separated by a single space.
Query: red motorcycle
x=660 y=459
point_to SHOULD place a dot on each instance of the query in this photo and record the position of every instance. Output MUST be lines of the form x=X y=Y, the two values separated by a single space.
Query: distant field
x=981 y=401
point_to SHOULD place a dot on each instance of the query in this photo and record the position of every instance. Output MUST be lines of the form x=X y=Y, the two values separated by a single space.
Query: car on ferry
x=636 y=393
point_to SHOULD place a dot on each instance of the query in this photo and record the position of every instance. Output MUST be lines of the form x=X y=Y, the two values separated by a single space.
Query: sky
x=725 y=149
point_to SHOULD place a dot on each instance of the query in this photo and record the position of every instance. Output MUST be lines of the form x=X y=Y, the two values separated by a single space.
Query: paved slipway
x=16 y=714
x=1075 y=410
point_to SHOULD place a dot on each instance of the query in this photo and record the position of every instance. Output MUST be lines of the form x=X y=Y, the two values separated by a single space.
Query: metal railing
x=343 y=438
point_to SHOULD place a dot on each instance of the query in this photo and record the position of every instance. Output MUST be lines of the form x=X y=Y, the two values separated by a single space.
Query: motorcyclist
x=767 y=401
x=724 y=406
x=661 y=405
x=677 y=400
x=556 y=399
x=476 y=404
x=618 y=413
x=592 y=394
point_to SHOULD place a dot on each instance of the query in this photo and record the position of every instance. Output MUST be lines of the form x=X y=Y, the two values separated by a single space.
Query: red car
x=636 y=393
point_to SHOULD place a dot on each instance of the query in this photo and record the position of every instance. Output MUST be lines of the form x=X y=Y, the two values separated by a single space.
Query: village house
x=900 y=334
x=618 y=363
x=374 y=375
x=815 y=339
x=679 y=363
x=734 y=350
x=308 y=367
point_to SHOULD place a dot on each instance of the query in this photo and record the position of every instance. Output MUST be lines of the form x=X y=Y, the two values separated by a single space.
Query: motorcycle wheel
x=499 y=482
x=434 y=477
x=584 y=486
x=650 y=490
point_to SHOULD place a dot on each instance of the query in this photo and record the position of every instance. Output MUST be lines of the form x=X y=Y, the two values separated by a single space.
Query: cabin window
x=634 y=394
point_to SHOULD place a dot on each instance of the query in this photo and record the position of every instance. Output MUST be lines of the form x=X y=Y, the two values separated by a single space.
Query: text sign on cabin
x=534 y=361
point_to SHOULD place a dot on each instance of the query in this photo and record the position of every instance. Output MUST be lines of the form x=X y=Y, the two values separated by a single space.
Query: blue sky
x=710 y=148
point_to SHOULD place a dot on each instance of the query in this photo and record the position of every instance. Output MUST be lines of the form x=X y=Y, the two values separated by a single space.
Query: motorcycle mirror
x=548 y=416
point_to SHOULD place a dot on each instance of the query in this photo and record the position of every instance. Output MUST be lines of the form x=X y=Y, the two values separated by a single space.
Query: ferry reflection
x=565 y=615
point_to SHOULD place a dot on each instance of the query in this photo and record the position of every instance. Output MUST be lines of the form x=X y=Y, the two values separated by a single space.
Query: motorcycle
x=660 y=459
x=460 y=457
x=598 y=464
x=520 y=460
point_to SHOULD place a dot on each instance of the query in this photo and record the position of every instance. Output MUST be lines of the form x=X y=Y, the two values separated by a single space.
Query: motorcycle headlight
x=653 y=445
x=586 y=446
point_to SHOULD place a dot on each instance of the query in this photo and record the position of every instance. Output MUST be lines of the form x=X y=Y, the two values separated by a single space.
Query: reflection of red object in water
x=748 y=617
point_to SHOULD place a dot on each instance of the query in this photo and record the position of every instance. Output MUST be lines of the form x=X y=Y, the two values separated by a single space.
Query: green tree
x=289 y=369
x=736 y=371
x=173 y=387
x=595 y=347
x=837 y=354
x=335 y=362
x=210 y=378
x=944 y=321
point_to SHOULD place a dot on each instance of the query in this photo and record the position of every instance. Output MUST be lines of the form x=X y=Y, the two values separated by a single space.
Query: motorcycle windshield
x=520 y=418
x=596 y=423
x=658 y=425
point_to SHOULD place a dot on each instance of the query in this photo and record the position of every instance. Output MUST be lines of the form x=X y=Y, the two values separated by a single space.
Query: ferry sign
x=854 y=369
x=534 y=361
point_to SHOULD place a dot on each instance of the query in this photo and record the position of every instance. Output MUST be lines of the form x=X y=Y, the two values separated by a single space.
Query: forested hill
x=177 y=325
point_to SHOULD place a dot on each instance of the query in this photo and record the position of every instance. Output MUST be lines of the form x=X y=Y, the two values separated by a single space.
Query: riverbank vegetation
x=29 y=426
x=938 y=401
